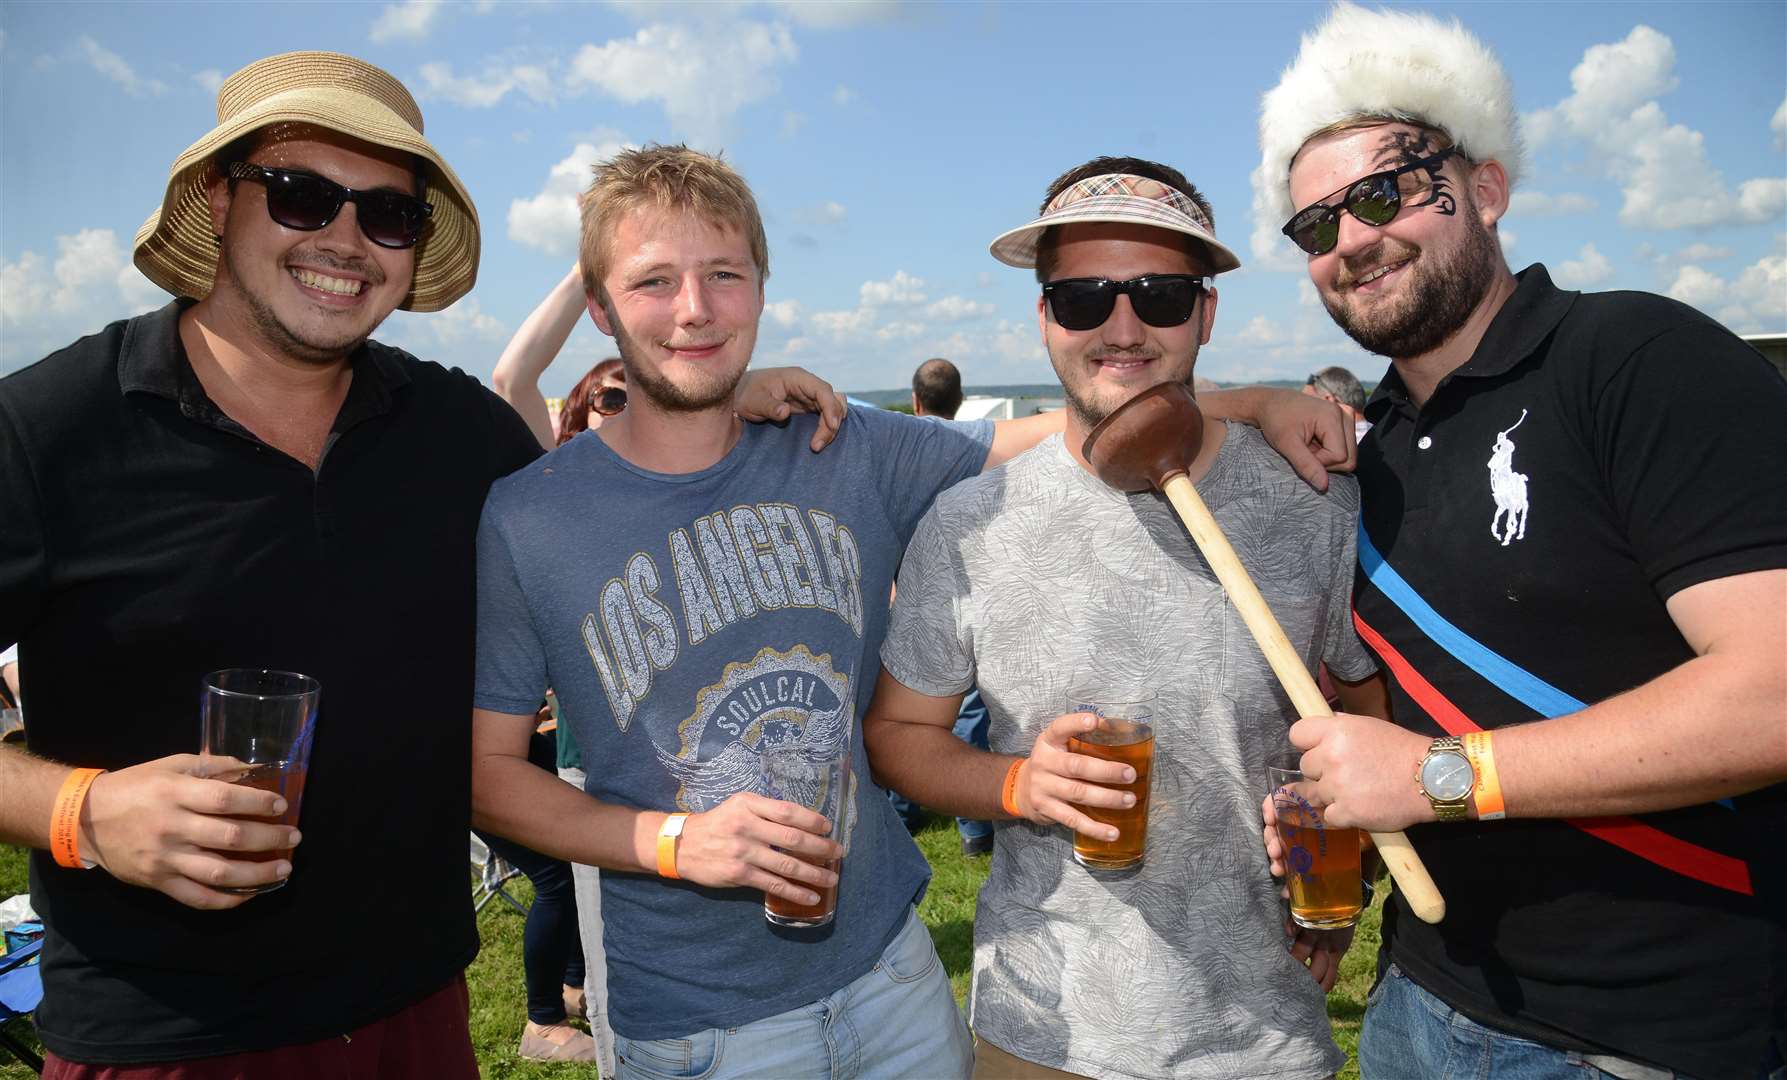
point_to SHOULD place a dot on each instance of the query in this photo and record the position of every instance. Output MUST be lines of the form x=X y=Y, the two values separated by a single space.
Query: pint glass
x=258 y=726
x=1125 y=733
x=823 y=786
x=1321 y=862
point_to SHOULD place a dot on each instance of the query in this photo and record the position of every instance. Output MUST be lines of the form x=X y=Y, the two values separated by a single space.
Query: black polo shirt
x=148 y=539
x=1597 y=454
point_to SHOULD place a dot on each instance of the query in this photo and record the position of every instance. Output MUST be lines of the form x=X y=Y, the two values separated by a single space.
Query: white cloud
x=902 y=288
x=114 y=67
x=1539 y=204
x=843 y=95
x=1667 y=180
x=1588 y=269
x=44 y=306
x=673 y=64
x=409 y=20
x=829 y=212
x=839 y=324
x=1754 y=302
x=549 y=221
x=210 y=78
x=1259 y=331
x=837 y=13
x=1778 y=125
x=1508 y=238
x=783 y=313
x=1694 y=253
x=488 y=88
x=1271 y=249
x=958 y=308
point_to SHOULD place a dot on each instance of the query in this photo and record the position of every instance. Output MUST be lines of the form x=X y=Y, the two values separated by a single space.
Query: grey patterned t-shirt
x=1036 y=578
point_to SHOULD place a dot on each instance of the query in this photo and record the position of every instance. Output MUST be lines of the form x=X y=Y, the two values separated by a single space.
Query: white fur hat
x=1406 y=65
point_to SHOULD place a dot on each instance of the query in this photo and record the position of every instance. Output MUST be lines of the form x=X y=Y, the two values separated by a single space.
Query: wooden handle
x=1412 y=880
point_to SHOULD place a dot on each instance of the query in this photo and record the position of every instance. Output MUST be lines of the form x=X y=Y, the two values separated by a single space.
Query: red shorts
x=430 y=1040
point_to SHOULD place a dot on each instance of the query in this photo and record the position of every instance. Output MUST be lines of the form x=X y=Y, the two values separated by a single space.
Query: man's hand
x=1363 y=770
x=736 y=843
x=1319 y=950
x=160 y=826
x=775 y=394
x=1053 y=779
x=1313 y=435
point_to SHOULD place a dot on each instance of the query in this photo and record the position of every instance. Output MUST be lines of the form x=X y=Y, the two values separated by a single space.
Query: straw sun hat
x=176 y=247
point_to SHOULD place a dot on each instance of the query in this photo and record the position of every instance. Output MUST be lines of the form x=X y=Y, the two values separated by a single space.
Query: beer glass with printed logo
x=1125 y=733
x=1321 y=862
x=824 y=784
x=258 y=727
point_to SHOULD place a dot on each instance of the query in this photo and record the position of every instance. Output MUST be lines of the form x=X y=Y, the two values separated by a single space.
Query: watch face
x=1447 y=776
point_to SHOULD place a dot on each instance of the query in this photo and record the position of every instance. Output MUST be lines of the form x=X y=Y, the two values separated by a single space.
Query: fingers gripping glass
x=1158 y=299
x=308 y=202
x=608 y=401
x=1374 y=199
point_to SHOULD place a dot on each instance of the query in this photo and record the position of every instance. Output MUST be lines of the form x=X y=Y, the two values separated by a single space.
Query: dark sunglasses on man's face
x=308 y=202
x=608 y=401
x=1158 y=299
x=1374 y=199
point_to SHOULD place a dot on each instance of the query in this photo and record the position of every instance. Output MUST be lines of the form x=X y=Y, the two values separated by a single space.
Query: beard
x=710 y=391
x=1088 y=407
x=320 y=347
x=1441 y=292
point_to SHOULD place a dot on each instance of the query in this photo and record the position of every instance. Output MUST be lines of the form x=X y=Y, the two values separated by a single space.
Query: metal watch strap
x=1444 y=809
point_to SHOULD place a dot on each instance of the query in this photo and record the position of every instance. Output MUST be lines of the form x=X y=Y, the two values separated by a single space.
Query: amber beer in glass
x=1321 y=862
x=1125 y=733
x=822 y=785
x=258 y=727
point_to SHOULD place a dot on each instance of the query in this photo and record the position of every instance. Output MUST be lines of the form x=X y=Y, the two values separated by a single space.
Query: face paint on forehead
x=1399 y=148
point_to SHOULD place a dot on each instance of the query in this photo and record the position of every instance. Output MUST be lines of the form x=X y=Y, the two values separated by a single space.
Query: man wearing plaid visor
x=1040 y=579
x=1573 y=564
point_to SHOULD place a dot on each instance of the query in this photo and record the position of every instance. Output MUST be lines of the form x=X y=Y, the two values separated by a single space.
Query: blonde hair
x=667 y=178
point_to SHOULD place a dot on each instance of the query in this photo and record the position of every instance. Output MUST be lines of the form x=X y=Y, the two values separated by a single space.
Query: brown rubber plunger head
x=1152 y=436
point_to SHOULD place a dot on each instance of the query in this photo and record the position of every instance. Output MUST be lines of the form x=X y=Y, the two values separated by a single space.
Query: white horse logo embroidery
x=1509 y=489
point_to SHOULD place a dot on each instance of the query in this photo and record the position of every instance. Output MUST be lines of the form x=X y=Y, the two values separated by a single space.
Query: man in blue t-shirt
x=698 y=591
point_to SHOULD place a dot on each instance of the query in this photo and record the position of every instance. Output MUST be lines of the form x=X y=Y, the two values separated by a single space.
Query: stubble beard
x=1439 y=297
x=1088 y=411
x=275 y=332
x=665 y=395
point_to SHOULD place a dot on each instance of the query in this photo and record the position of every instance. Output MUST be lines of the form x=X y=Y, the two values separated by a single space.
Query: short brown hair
x=670 y=178
x=1100 y=166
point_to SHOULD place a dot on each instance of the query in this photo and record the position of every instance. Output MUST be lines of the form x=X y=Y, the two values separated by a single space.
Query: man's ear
x=1042 y=317
x=1489 y=188
x=217 y=199
x=1208 y=315
x=598 y=314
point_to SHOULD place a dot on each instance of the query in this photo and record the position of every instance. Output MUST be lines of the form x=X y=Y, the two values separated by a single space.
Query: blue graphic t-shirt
x=689 y=622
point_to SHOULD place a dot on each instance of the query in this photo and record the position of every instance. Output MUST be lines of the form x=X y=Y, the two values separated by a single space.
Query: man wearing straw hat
x=1039 y=580
x=242 y=478
x=1577 y=583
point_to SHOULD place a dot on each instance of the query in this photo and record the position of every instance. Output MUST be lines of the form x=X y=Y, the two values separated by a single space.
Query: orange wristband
x=65 y=818
x=667 y=837
x=1008 y=796
x=1488 y=795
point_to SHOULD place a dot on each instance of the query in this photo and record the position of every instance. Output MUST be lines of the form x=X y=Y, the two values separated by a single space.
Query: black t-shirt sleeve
x=1690 y=436
x=23 y=567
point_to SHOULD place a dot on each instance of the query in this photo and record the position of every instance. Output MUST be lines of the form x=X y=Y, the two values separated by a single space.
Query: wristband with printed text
x=1488 y=792
x=1008 y=795
x=65 y=819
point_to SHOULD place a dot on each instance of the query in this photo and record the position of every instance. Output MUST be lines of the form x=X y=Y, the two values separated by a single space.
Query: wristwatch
x=1447 y=778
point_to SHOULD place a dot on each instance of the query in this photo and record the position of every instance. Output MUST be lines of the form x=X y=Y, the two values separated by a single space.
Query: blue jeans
x=1410 y=1033
x=972 y=722
x=897 y=1021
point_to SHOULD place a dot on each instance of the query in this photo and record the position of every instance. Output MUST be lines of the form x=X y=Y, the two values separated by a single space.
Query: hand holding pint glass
x=825 y=786
x=1090 y=770
x=258 y=730
x=1321 y=862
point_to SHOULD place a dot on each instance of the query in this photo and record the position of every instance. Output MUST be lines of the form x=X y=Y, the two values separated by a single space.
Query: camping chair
x=21 y=988
x=493 y=874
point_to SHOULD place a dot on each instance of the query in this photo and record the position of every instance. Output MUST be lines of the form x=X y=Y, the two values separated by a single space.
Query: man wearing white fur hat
x=1580 y=594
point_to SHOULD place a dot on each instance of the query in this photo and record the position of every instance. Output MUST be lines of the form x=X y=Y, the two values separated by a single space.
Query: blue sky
x=887 y=144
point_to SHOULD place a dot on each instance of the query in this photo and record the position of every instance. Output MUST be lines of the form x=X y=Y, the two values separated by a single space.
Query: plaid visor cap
x=1116 y=197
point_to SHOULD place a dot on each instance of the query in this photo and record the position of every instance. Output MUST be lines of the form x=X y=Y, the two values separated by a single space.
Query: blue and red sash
x=1645 y=841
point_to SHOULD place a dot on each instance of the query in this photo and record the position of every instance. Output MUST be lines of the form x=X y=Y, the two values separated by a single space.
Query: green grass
x=496 y=981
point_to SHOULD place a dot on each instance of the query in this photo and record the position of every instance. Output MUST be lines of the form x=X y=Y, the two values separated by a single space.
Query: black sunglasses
x=308 y=202
x=1159 y=299
x=1374 y=199
x=608 y=401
